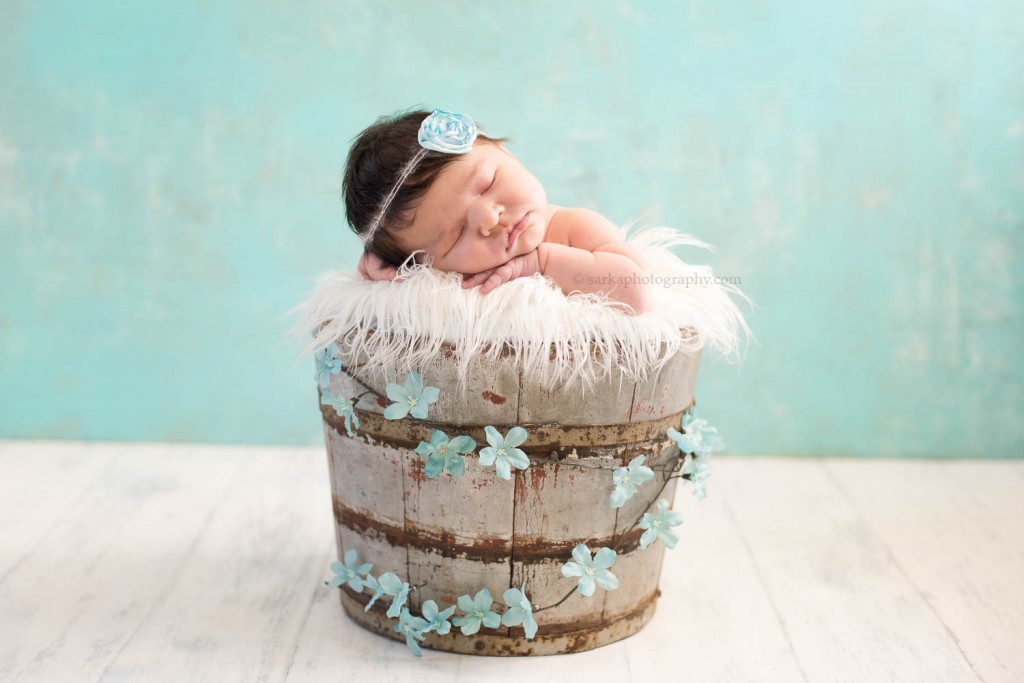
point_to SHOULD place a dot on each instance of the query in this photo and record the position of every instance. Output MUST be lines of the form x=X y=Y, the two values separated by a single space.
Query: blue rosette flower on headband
x=442 y=131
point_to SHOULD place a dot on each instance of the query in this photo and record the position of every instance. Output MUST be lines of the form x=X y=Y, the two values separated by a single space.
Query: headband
x=442 y=131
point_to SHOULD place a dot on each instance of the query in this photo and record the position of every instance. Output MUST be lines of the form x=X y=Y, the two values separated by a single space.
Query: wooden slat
x=474 y=511
x=367 y=476
x=490 y=396
x=607 y=403
x=669 y=391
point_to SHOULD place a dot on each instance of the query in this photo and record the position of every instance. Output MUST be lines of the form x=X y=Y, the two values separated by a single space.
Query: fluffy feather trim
x=558 y=339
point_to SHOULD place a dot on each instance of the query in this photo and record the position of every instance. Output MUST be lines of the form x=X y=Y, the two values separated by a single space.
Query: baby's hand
x=521 y=266
x=372 y=267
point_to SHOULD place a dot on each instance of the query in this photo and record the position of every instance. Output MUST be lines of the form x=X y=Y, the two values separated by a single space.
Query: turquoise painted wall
x=170 y=181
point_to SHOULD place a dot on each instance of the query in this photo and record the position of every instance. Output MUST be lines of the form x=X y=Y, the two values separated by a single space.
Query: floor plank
x=154 y=562
x=850 y=613
x=48 y=480
x=242 y=596
x=953 y=529
x=714 y=614
x=76 y=599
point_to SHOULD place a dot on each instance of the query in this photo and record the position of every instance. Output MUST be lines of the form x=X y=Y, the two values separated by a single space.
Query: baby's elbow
x=645 y=305
x=640 y=299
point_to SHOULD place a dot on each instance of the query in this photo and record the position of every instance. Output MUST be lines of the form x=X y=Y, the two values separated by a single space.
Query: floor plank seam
x=175 y=575
x=60 y=519
x=325 y=558
x=830 y=475
x=764 y=586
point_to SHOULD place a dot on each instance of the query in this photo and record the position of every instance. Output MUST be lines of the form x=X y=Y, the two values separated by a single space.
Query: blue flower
x=477 y=611
x=593 y=571
x=343 y=407
x=327 y=364
x=444 y=131
x=659 y=526
x=519 y=611
x=697 y=434
x=392 y=585
x=349 y=573
x=413 y=629
x=444 y=453
x=502 y=453
x=437 y=620
x=698 y=441
x=696 y=466
x=413 y=398
x=372 y=583
x=626 y=480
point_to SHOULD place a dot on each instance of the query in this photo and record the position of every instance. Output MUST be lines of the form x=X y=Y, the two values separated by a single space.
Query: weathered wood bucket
x=451 y=536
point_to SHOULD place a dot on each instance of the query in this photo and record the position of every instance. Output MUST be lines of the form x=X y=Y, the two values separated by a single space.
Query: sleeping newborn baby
x=432 y=187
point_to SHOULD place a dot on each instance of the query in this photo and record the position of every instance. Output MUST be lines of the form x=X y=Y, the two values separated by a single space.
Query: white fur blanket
x=557 y=338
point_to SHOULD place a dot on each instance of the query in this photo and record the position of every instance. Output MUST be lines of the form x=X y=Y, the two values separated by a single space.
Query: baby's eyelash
x=490 y=184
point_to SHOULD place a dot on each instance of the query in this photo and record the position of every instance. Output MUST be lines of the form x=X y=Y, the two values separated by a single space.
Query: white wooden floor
x=124 y=562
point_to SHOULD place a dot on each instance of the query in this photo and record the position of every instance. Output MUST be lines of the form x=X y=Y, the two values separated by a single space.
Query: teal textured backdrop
x=170 y=186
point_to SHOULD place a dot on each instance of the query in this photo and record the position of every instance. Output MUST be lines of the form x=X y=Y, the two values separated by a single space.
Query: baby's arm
x=591 y=256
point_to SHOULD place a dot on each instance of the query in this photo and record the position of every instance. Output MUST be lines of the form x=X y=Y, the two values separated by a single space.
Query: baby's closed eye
x=488 y=184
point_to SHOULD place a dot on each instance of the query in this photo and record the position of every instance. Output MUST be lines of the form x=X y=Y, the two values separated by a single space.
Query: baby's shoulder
x=581 y=228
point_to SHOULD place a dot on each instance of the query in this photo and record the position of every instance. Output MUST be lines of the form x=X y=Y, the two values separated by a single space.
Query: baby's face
x=470 y=219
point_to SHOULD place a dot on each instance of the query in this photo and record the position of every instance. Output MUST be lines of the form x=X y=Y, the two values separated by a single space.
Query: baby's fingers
x=496 y=278
x=474 y=280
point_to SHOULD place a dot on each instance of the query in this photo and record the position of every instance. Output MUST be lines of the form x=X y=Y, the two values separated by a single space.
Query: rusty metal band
x=493 y=550
x=551 y=638
x=406 y=433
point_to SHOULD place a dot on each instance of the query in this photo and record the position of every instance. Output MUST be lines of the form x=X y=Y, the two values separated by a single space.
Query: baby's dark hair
x=377 y=157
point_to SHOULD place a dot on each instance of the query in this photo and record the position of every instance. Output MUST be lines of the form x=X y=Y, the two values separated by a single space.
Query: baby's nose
x=491 y=222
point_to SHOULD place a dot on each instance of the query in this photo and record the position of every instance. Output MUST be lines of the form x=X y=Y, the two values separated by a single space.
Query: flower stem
x=369 y=389
x=564 y=598
x=679 y=462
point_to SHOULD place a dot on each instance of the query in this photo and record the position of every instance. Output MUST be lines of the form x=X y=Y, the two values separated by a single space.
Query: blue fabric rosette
x=444 y=131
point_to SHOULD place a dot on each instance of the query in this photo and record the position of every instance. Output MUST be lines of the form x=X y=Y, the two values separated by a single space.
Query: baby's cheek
x=462 y=263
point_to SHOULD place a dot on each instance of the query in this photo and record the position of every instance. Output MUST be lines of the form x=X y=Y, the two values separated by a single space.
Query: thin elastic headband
x=442 y=131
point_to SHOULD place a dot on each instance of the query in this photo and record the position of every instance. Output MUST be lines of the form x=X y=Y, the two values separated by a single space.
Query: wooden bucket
x=455 y=535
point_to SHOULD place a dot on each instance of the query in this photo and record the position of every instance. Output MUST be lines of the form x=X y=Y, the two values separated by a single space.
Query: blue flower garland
x=696 y=441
